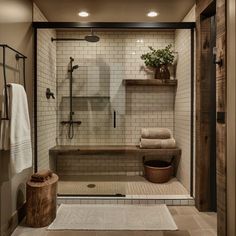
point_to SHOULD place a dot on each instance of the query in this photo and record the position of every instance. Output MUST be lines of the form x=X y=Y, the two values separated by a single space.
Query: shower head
x=92 y=38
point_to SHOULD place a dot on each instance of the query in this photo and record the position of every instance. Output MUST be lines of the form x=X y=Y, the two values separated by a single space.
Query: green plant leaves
x=158 y=57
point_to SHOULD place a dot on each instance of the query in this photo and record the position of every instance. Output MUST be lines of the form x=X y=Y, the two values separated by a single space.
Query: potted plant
x=159 y=59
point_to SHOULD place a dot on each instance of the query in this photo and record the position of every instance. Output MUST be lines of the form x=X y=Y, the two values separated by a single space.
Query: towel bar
x=18 y=56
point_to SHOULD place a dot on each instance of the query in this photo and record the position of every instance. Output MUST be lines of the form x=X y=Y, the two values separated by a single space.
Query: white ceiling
x=115 y=10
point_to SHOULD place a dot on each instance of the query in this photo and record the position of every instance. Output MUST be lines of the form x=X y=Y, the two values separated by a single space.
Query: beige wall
x=15 y=30
x=231 y=114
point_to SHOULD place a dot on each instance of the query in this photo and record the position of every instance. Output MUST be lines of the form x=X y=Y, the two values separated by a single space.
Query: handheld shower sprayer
x=71 y=122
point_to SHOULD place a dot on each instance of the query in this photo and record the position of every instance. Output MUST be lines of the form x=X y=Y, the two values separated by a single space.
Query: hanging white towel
x=5 y=125
x=20 y=134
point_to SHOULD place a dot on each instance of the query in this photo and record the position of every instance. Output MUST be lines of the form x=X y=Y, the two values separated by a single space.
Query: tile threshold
x=170 y=200
x=153 y=197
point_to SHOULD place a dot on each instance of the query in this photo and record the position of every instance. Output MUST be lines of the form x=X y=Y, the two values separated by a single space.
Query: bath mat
x=113 y=217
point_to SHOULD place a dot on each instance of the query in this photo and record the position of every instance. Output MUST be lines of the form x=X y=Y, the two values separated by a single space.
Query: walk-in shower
x=104 y=87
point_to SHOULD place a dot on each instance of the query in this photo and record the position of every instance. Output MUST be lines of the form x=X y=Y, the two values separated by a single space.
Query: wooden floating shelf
x=150 y=82
x=130 y=149
x=87 y=97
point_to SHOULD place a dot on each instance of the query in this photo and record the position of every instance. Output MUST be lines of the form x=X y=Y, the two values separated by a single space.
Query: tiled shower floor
x=127 y=185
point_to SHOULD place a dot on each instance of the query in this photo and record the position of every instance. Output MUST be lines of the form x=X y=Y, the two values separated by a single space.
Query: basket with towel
x=161 y=138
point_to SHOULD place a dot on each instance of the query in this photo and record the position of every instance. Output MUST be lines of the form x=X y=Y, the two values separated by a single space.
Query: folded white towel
x=156 y=133
x=158 y=143
x=19 y=132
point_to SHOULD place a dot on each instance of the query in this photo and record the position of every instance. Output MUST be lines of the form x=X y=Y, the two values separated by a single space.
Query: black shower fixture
x=73 y=68
x=91 y=38
x=71 y=122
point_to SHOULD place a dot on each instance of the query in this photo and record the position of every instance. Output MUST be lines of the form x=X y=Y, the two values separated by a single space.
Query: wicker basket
x=158 y=171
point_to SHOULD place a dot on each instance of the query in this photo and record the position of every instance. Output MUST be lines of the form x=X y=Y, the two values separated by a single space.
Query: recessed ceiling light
x=152 y=14
x=83 y=14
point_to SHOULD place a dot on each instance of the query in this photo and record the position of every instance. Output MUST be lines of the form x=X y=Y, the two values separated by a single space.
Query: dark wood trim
x=221 y=126
x=114 y=25
x=115 y=196
x=203 y=135
x=35 y=103
x=192 y=114
x=129 y=149
x=150 y=82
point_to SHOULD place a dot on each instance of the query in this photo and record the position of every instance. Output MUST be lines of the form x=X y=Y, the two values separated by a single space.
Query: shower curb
x=170 y=201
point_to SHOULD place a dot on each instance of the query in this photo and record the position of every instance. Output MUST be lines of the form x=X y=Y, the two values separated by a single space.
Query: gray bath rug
x=113 y=217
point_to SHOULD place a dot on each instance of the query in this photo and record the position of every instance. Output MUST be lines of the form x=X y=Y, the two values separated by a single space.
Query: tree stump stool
x=41 y=202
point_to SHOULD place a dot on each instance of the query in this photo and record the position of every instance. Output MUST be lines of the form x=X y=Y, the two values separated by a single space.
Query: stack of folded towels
x=157 y=138
x=41 y=176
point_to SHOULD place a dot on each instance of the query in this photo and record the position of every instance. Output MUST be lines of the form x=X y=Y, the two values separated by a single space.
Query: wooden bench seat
x=84 y=150
x=60 y=151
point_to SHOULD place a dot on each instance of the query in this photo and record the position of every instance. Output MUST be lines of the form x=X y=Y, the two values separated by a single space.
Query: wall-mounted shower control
x=49 y=94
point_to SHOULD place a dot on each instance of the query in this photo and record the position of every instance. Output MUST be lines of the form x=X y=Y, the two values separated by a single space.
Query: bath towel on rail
x=19 y=132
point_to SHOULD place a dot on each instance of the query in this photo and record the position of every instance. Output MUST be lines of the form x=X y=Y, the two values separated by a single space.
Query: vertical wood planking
x=221 y=107
x=203 y=115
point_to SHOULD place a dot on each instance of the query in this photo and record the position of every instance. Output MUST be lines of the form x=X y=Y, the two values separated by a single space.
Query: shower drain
x=91 y=185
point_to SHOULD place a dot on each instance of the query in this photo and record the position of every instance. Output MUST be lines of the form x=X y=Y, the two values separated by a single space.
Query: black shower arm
x=67 y=39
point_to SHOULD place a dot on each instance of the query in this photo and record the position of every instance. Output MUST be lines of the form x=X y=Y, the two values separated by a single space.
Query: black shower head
x=92 y=38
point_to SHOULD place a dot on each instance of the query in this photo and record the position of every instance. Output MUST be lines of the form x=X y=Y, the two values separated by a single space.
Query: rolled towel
x=158 y=143
x=156 y=133
x=41 y=176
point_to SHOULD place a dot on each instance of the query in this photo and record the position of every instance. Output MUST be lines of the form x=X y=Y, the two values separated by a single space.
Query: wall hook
x=49 y=94
x=219 y=62
x=216 y=61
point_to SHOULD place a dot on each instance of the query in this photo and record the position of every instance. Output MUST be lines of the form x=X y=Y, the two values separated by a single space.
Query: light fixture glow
x=152 y=14
x=83 y=14
x=139 y=41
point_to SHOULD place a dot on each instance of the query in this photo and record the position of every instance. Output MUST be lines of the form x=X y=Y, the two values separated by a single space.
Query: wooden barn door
x=204 y=147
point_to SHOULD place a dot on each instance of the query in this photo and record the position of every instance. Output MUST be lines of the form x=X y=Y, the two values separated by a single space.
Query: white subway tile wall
x=46 y=109
x=115 y=164
x=182 y=127
x=99 y=92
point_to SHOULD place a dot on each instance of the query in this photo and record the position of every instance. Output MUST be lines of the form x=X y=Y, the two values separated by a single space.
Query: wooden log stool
x=41 y=201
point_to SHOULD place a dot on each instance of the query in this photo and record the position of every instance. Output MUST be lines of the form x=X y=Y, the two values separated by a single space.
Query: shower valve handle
x=49 y=94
